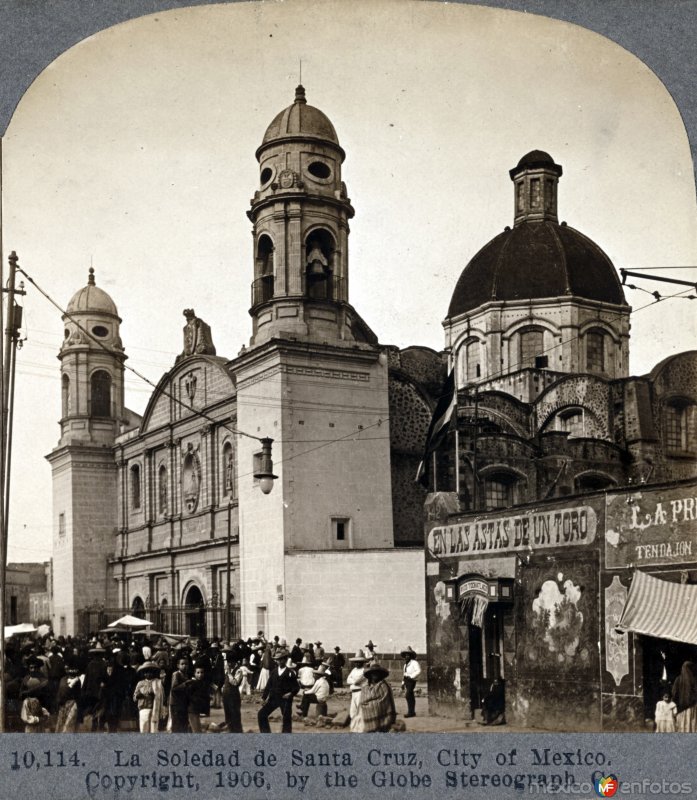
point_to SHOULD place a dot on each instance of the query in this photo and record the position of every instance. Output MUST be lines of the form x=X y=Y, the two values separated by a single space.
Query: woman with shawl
x=68 y=698
x=685 y=697
x=377 y=701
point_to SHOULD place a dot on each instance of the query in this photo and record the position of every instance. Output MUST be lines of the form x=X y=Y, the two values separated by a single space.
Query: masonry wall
x=348 y=598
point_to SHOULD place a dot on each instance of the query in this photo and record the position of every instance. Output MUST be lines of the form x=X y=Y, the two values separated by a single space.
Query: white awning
x=660 y=608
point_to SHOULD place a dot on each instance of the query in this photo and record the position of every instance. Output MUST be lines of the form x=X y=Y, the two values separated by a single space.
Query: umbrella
x=114 y=630
x=129 y=621
x=24 y=627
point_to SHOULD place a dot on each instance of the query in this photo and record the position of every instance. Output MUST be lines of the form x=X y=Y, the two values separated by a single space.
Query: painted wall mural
x=557 y=624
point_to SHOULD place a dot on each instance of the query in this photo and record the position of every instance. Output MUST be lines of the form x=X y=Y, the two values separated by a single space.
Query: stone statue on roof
x=197 y=336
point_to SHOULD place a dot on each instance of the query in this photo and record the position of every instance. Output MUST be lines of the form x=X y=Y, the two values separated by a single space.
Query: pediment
x=193 y=384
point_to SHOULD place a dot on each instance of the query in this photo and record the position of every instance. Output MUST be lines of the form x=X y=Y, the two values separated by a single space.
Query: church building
x=561 y=546
x=167 y=516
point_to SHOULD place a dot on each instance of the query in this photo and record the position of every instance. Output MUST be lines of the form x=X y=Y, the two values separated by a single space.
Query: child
x=665 y=714
x=242 y=678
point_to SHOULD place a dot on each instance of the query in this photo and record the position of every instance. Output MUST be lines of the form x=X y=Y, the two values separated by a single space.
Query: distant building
x=29 y=583
x=17 y=580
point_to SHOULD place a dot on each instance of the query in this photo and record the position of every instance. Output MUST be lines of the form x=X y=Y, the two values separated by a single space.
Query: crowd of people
x=117 y=682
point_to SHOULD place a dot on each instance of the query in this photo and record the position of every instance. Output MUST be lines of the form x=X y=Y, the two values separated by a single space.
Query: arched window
x=100 y=393
x=264 y=284
x=571 y=421
x=595 y=350
x=319 y=262
x=162 y=489
x=500 y=489
x=531 y=347
x=473 y=360
x=593 y=482
x=135 y=486
x=138 y=607
x=229 y=471
x=65 y=395
x=680 y=433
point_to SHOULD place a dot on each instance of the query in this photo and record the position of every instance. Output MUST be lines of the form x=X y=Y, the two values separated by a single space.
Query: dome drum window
x=595 y=350
x=101 y=331
x=500 y=490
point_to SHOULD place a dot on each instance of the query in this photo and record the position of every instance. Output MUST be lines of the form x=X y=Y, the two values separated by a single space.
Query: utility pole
x=13 y=322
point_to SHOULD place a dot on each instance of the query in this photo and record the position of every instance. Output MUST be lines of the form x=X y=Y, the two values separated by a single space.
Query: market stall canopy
x=662 y=609
x=24 y=627
x=129 y=621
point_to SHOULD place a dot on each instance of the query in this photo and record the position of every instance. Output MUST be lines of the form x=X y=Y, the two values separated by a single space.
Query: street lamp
x=265 y=474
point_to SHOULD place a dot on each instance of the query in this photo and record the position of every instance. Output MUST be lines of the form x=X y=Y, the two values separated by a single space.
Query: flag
x=440 y=423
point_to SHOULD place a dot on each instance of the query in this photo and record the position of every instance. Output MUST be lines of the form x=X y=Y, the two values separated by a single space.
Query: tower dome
x=300 y=121
x=92 y=299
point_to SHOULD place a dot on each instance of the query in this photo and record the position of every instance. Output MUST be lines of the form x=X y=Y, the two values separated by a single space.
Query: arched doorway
x=138 y=607
x=195 y=624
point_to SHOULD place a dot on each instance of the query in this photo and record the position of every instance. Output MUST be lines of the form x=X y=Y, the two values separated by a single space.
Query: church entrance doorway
x=195 y=624
x=486 y=665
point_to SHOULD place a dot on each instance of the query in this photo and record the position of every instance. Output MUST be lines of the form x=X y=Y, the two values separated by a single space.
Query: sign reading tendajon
x=532 y=529
x=650 y=528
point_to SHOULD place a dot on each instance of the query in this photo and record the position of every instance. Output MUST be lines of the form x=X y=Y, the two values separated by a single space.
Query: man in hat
x=32 y=692
x=337 y=662
x=377 y=701
x=370 y=651
x=306 y=674
x=412 y=670
x=279 y=691
x=149 y=695
x=318 y=652
x=296 y=654
x=318 y=693
x=95 y=675
x=355 y=682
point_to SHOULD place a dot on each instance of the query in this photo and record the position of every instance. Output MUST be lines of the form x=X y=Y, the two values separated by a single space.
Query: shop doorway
x=662 y=662
x=486 y=659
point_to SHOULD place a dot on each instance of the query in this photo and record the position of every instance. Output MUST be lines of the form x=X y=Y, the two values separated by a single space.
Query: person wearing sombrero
x=370 y=651
x=412 y=671
x=149 y=695
x=318 y=693
x=68 y=697
x=279 y=692
x=355 y=681
x=95 y=674
x=33 y=713
x=377 y=701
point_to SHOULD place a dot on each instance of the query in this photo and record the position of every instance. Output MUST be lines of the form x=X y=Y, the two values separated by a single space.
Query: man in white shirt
x=355 y=682
x=412 y=671
x=318 y=693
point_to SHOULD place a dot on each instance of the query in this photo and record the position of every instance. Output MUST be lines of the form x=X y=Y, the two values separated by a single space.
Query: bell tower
x=300 y=216
x=314 y=373
x=92 y=358
x=83 y=468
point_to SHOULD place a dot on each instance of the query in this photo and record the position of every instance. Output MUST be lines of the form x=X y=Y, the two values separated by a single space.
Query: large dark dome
x=535 y=260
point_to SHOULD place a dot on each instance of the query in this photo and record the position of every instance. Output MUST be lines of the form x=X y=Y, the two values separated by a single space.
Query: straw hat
x=408 y=652
x=360 y=656
x=374 y=668
x=281 y=654
x=148 y=665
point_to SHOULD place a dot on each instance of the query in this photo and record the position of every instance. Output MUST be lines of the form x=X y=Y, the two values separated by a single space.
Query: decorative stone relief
x=616 y=644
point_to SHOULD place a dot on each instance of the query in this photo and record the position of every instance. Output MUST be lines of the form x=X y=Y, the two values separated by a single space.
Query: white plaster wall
x=348 y=598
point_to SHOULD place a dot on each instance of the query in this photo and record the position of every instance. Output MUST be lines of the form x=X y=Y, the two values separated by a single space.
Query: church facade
x=165 y=515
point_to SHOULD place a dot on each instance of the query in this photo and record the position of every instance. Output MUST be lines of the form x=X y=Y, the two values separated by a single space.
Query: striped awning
x=662 y=609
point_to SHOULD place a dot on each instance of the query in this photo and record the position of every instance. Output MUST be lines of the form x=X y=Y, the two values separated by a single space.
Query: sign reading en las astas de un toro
x=501 y=533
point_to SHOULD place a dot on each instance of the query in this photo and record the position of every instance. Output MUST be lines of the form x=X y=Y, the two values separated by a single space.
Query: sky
x=134 y=152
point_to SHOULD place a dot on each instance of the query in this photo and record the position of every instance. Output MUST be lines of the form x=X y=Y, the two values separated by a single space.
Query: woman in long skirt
x=685 y=697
